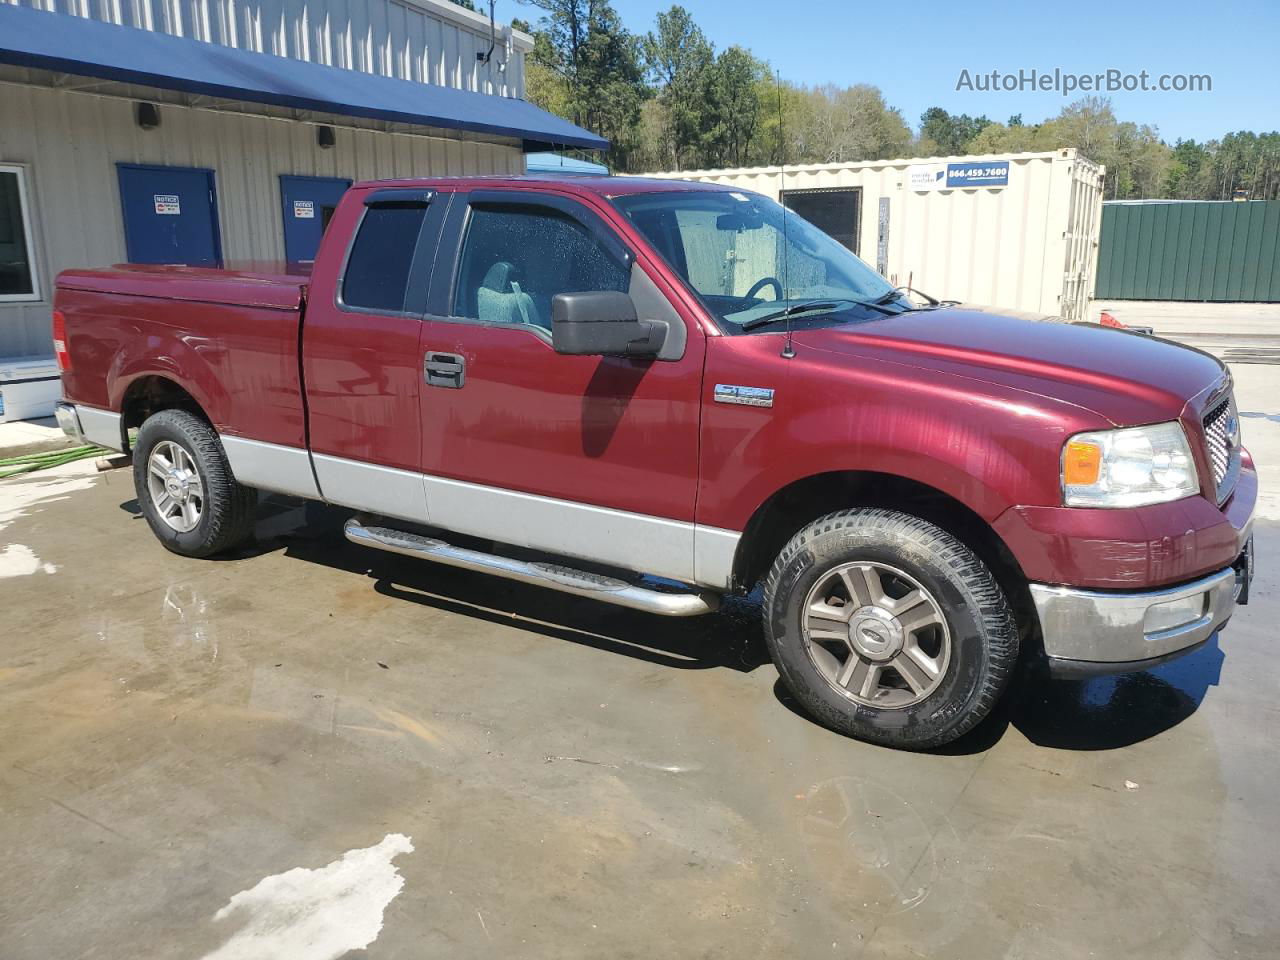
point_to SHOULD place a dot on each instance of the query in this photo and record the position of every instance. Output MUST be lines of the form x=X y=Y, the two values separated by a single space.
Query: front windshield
x=728 y=246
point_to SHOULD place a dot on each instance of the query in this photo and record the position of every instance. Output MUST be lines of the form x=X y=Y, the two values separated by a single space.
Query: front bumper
x=1090 y=631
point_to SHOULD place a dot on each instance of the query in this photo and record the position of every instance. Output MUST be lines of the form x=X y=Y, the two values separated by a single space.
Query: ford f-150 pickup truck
x=655 y=393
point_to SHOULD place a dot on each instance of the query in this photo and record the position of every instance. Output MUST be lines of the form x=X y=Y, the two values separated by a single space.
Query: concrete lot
x=191 y=747
x=1239 y=332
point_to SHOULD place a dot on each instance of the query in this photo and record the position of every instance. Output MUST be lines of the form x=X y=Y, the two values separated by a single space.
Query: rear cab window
x=380 y=262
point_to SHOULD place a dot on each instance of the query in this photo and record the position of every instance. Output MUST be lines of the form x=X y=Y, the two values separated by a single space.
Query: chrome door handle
x=444 y=370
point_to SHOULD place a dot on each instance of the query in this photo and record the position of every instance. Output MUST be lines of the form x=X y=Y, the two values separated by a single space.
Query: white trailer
x=1016 y=231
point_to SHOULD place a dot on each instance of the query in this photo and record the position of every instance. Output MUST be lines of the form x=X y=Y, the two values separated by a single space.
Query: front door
x=588 y=456
x=308 y=205
x=170 y=215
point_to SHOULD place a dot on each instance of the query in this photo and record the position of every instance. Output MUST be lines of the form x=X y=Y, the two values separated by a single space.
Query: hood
x=1127 y=378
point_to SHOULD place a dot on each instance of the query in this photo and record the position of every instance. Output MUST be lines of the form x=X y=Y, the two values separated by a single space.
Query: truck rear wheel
x=888 y=629
x=186 y=489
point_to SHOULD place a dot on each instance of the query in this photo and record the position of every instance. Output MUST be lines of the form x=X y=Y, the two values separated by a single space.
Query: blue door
x=170 y=215
x=309 y=202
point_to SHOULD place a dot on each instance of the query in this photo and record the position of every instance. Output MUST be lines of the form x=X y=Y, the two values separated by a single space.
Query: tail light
x=1107 y=320
x=60 y=341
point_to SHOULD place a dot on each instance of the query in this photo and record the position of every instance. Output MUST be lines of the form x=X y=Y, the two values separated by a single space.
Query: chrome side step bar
x=543 y=574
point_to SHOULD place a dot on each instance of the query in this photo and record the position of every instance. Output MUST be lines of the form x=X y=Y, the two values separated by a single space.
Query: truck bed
x=228 y=336
x=272 y=285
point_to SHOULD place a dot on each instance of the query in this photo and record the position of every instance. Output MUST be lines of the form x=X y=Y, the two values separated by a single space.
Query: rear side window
x=378 y=268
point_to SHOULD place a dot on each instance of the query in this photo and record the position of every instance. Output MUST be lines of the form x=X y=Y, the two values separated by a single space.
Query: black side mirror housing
x=603 y=323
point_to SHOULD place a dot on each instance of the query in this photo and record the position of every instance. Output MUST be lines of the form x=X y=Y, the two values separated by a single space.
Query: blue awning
x=89 y=48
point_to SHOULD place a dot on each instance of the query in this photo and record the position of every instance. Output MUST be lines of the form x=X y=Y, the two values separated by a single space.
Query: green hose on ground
x=12 y=466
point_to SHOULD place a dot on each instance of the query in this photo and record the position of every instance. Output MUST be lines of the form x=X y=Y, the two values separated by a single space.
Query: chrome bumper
x=1107 y=628
x=69 y=421
x=89 y=425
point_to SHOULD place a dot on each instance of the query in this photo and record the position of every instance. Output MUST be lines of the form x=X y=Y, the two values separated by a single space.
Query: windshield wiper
x=792 y=310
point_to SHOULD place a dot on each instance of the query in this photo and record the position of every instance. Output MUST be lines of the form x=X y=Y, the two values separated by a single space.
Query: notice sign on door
x=168 y=204
x=304 y=209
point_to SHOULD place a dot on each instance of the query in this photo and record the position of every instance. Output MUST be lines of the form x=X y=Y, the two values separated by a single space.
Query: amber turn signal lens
x=1082 y=463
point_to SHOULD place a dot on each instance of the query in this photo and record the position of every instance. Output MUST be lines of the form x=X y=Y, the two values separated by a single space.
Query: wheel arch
x=150 y=394
x=802 y=501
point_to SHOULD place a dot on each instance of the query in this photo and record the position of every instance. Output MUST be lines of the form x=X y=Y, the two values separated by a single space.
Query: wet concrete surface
x=574 y=780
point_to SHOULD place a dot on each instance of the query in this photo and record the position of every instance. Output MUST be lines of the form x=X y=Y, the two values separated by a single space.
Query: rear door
x=360 y=351
x=308 y=206
x=588 y=456
x=170 y=215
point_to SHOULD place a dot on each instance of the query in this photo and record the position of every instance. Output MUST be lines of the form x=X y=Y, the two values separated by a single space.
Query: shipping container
x=1016 y=231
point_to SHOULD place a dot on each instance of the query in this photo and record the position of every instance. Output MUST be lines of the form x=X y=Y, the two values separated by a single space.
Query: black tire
x=983 y=635
x=228 y=508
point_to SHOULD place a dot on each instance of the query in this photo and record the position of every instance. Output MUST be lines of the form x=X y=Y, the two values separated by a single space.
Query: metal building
x=1209 y=250
x=210 y=131
x=1018 y=231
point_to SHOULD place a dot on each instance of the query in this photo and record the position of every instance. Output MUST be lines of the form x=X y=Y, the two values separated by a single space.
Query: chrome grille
x=1222 y=440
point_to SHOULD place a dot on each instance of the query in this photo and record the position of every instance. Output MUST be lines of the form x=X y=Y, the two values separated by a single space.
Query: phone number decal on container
x=980 y=174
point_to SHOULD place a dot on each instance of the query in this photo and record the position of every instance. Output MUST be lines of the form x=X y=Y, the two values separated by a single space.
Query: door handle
x=444 y=370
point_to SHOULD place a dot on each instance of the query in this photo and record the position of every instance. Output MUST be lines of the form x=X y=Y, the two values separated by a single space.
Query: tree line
x=667 y=99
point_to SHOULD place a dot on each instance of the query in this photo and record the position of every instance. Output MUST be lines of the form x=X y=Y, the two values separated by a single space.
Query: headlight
x=1129 y=467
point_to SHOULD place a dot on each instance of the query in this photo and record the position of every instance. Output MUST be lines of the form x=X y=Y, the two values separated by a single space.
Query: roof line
x=84 y=47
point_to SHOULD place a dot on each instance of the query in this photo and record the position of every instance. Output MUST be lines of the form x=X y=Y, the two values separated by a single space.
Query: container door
x=309 y=203
x=170 y=215
x=836 y=212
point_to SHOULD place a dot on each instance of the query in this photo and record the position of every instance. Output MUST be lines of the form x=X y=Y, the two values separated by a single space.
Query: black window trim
x=419 y=279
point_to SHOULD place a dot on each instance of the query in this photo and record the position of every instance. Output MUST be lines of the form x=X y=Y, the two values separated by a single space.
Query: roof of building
x=603 y=186
x=74 y=45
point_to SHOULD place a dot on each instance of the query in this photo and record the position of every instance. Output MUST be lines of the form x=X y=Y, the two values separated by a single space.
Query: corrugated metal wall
x=1028 y=246
x=429 y=41
x=1195 y=250
x=70 y=143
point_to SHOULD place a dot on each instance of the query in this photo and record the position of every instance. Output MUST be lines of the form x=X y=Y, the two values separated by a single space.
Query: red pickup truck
x=654 y=393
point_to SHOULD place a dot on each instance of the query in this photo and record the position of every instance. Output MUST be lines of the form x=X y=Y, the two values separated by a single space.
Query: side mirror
x=603 y=323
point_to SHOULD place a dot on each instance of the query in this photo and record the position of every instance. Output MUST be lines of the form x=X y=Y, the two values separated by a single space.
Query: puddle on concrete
x=318 y=914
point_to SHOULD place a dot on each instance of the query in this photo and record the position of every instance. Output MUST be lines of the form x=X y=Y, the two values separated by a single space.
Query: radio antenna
x=788 y=350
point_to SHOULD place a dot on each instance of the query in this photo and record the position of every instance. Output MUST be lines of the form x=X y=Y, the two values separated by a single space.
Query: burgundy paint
x=362 y=370
x=974 y=404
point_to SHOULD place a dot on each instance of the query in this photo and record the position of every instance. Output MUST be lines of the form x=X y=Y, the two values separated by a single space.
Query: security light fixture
x=147 y=115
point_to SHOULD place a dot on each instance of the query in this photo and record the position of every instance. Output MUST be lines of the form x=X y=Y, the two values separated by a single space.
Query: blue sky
x=914 y=51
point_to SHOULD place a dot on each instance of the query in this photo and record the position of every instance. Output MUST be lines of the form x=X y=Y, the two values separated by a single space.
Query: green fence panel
x=1190 y=251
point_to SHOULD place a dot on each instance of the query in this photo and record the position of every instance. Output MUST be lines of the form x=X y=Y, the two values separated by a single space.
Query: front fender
x=986 y=445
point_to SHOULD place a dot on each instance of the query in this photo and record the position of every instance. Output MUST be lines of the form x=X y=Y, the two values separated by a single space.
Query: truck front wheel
x=186 y=489
x=888 y=629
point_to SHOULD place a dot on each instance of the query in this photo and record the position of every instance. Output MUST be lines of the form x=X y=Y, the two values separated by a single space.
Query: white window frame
x=24 y=207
